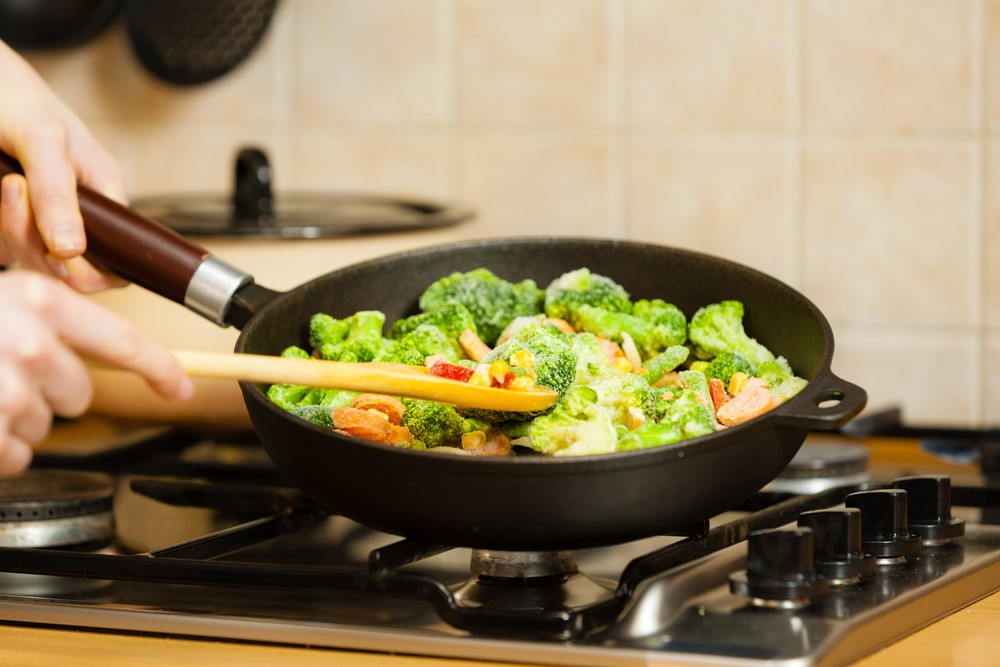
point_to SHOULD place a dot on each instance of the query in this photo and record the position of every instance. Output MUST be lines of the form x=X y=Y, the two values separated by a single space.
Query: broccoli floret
x=718 y=328
x=696 y=382
x=665 y=361
x=623 y=393
x=783 y=383
x=555 y=361
x=315 y=414
x=451 y=318
x=554 y=366
x=591 y=361
x=654 y=326
x=565 y=295
x=429 y=340
x=288 y=396
x=726 y=364
x=401 y=355
x=362 y=340
x=432 y=423
x=492 y=301
x=578 y=425
x=684 y=416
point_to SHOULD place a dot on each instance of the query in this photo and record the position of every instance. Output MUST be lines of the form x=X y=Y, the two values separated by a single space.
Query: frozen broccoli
x=289 y=396
x=355 y=338
x=430 y=340
x=492 y=301
x=684 y=416
x=624 y=394
x=726 y=364
x=554 y=365
x=696 y=382
x=578 y=425
x=565 y=295
x=665 y=361
x=653 y=325
x=718 y=328
x=315 y=414
x=783 y=383
x=451 y=318
x=432 y=423
x=591 y=361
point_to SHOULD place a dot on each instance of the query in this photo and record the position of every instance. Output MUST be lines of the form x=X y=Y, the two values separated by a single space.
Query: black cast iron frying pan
x=525 y=503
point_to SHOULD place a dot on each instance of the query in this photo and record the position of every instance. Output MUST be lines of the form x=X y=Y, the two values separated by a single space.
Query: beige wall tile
x=526 y=61
x=90 y=78
x=991 y=237
x=889 y=231
x=893 y=64
x=182 y=159
x=729 y=198
x=538 y=183
x=991 y=395
x=370 y=61
x=413 y=162
x=991 y=66
x=887 y=363
x=709 y=64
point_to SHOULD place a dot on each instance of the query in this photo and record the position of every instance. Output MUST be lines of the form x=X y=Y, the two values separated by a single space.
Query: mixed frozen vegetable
x=629 y=374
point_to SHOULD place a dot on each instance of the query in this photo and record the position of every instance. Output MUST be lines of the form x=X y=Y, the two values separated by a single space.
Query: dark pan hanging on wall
x=190 y=42
x=182 y=42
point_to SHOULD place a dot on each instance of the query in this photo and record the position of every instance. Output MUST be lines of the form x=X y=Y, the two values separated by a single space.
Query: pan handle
x=831 y=403
x=152 y=256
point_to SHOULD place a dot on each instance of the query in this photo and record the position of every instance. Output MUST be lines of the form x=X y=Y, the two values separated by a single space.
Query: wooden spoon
x=377 y=377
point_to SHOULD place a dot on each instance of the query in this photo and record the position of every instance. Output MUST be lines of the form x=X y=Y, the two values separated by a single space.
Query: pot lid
x=253 y=211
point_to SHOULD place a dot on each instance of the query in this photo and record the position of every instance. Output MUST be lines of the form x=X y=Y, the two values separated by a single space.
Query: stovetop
x=208 y=540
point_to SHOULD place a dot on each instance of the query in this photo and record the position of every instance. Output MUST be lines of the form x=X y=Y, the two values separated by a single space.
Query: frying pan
x=525 y=503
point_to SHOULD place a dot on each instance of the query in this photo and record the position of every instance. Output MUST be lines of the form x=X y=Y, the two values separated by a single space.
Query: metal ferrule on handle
x=212 y=287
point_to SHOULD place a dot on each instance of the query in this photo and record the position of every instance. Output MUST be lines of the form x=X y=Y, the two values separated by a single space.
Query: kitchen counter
x=968 y=637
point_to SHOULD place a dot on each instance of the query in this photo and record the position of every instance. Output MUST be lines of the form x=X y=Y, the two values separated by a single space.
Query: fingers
x=22 y=243
x=92 y=330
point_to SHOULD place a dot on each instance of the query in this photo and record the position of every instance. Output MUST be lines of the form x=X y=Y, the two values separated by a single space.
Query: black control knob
x=928 y=502
x=780 y=570
x=838 y=555
x=885 y=532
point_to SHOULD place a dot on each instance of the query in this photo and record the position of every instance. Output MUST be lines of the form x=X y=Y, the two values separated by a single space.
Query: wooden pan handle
x=131 y=245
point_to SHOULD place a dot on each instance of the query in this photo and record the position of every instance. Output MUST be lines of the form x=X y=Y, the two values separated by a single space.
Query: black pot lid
x=252 y=211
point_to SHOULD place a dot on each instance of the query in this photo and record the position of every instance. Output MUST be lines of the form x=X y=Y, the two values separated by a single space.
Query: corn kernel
x=698 y=366
x=737 y=382
x=481 y=376
x=522 y=359
x=622 y=364
x=473 y=440
x=498 y=371
x=522 y=383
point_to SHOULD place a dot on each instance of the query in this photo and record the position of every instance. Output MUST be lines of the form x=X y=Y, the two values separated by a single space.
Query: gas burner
x=520 y=581
x=45 y=509
x=823 y=464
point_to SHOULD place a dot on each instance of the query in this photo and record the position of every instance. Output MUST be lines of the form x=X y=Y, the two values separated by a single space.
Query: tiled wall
x=849 y=147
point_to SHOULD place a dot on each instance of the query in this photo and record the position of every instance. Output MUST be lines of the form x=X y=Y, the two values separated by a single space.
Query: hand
x=45 y=326
x=45 y=231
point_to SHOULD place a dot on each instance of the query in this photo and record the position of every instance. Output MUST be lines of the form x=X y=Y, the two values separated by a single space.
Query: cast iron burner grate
x=285 y=511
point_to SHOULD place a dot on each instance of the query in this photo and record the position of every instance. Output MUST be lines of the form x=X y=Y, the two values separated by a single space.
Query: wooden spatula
x=381 y=378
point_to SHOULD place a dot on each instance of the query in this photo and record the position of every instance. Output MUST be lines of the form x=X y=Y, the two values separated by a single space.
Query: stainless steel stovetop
x=812 y=571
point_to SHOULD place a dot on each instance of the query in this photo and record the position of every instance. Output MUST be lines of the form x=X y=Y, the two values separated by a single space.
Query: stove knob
x=780 y=571
x=837 y=552
x=884 y=530
x=928 y=502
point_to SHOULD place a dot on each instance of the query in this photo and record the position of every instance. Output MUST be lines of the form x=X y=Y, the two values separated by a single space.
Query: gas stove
x=185 y=534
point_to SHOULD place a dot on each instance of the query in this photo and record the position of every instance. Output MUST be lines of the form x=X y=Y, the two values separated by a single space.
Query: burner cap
x=56 y=508
x=822 y=465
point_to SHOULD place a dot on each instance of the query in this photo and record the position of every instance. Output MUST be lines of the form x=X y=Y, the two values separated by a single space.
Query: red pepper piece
x=446 y=369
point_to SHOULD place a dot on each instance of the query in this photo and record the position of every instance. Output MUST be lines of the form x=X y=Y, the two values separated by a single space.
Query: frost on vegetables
x=629 y=374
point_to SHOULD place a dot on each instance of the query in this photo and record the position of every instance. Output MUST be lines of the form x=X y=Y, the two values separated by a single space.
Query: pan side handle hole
x=829 y=399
